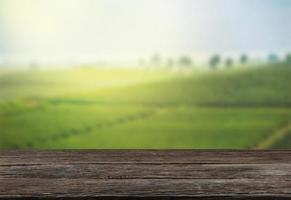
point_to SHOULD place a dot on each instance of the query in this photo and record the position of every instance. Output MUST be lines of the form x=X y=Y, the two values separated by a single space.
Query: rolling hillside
x=97 y=108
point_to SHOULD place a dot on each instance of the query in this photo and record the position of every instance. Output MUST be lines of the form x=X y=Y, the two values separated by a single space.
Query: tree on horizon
x=214 y=61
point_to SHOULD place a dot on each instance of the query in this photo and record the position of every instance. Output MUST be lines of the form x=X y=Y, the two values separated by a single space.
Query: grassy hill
x=268 y=85
x=134 y=108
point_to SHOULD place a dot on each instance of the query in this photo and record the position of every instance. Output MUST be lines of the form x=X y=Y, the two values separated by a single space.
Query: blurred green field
x=244 y=108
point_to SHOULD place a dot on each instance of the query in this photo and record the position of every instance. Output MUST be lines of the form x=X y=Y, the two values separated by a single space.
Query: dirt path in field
x=98 y=126
x=275 y=137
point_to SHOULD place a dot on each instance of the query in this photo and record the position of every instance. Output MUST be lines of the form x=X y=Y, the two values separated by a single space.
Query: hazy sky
x=120 y=28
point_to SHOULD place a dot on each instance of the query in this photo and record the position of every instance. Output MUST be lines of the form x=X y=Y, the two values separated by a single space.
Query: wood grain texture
x=111 y=174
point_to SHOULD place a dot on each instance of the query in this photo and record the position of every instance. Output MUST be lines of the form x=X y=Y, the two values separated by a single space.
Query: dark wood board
x=140 y=174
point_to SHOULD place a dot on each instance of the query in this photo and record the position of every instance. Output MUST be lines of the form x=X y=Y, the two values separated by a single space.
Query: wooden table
x=112 y=174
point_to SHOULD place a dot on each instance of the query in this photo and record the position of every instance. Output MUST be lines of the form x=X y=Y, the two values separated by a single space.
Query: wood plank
x=184 y=174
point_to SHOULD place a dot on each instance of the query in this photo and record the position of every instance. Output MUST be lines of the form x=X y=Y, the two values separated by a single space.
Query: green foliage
x=184 y=127
x=229 y=62
x=98 y=108
x=273 y=58
x=185 y=61
x=288 y=58
x=156 y=60
x=244 y=59
x=284 y=143
x=214 y=61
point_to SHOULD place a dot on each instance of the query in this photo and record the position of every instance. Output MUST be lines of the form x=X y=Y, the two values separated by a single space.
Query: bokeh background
x=145 y=74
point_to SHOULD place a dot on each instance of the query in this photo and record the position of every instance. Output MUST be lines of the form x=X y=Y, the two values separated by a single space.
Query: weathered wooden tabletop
x=96 y=174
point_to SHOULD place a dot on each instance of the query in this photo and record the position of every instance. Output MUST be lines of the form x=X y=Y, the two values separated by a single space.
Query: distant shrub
x=214 y=61
x=185 y=61
x=272 y=58
x=156 y=59
x=229 y=62
x=244 y=59
x=288 y=58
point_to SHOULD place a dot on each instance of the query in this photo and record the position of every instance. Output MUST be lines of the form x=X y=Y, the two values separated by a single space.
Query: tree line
x=214 y=61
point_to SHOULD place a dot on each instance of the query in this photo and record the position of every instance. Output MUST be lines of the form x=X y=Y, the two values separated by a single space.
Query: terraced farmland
x=135 y=108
